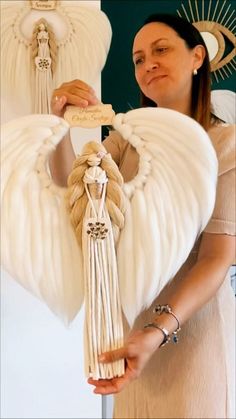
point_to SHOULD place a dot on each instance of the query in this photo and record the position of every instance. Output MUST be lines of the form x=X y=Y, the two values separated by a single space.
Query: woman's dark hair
x=201 y=86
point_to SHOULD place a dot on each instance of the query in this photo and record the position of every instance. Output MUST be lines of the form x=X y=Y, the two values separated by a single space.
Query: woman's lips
x=156 y=78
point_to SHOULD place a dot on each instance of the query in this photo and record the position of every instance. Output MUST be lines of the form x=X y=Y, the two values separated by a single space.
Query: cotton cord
x=103 y=326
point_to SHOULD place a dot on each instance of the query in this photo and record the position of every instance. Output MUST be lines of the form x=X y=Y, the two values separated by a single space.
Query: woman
x=193 y=379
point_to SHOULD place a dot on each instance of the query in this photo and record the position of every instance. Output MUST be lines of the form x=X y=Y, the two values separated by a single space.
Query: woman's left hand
x=137 y=351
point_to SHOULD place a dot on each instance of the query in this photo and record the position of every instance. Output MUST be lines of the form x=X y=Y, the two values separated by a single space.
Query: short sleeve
x=123 y=154
x=224 y=214
x=112 y=143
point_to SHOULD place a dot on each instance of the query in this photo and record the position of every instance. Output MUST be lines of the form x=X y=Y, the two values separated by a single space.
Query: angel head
x=42 y=35
x=41 y=27
x=95 y=178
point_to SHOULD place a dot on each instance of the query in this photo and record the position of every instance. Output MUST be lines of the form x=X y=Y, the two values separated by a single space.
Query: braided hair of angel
x=76 y=197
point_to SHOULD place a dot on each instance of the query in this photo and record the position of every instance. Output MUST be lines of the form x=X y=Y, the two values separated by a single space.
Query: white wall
x=41 y=360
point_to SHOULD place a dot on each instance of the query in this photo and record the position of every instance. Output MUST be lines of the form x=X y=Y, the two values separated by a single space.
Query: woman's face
x=164 y=66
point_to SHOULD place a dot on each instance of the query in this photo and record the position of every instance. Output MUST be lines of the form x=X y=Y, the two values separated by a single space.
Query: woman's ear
x=199 y=53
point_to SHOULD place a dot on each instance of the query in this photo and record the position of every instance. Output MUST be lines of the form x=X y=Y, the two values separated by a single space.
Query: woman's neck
x=181 y=101
x=180 y=106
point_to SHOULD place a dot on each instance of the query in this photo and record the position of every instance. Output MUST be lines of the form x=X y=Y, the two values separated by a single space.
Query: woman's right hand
x=76 y=93
x=138 y=349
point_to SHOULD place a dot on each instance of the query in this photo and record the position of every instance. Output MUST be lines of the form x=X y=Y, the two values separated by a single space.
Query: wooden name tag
x=90 y=117
x=43 y=4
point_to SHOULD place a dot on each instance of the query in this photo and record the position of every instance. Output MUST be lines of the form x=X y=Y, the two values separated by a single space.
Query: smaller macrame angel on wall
x=44 y=56
x=45 y=44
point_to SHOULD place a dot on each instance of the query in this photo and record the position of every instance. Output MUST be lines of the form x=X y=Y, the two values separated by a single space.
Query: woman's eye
x=161 y=50
x=138 y=61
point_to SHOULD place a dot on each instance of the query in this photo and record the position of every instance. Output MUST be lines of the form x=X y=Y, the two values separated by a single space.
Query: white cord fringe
x=103 y=325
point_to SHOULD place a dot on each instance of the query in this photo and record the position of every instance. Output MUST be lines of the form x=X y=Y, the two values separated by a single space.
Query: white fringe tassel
x=103 y=323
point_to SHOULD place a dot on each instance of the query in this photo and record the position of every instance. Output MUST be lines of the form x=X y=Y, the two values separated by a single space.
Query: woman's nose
x=150 y=66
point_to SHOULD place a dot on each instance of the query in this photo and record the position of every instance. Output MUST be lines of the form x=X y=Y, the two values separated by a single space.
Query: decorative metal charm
x=43 y=64
x=97 y=229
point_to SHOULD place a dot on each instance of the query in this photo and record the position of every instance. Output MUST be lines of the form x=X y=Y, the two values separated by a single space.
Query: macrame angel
x=79 y=52
x=165 y=208
x=97 y=203
x=44 y=55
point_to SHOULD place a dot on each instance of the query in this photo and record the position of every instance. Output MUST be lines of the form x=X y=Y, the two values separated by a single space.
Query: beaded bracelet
x=159 y=309
x=162 y=329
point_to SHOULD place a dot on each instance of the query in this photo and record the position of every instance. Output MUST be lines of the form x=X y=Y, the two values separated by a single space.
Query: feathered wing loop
x=170 y=201
x=40 y=249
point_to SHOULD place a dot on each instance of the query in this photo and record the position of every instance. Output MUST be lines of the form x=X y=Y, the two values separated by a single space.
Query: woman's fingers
x=57 y=104
x=76 y=93
x=113 y=356
x=78 y=84
x=115 y=385
x=128 y=351
x=76 y=98
x=110 y=388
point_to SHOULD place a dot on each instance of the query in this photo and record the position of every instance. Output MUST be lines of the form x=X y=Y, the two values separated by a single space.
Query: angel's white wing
x=170 y=201
x=39 y=248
